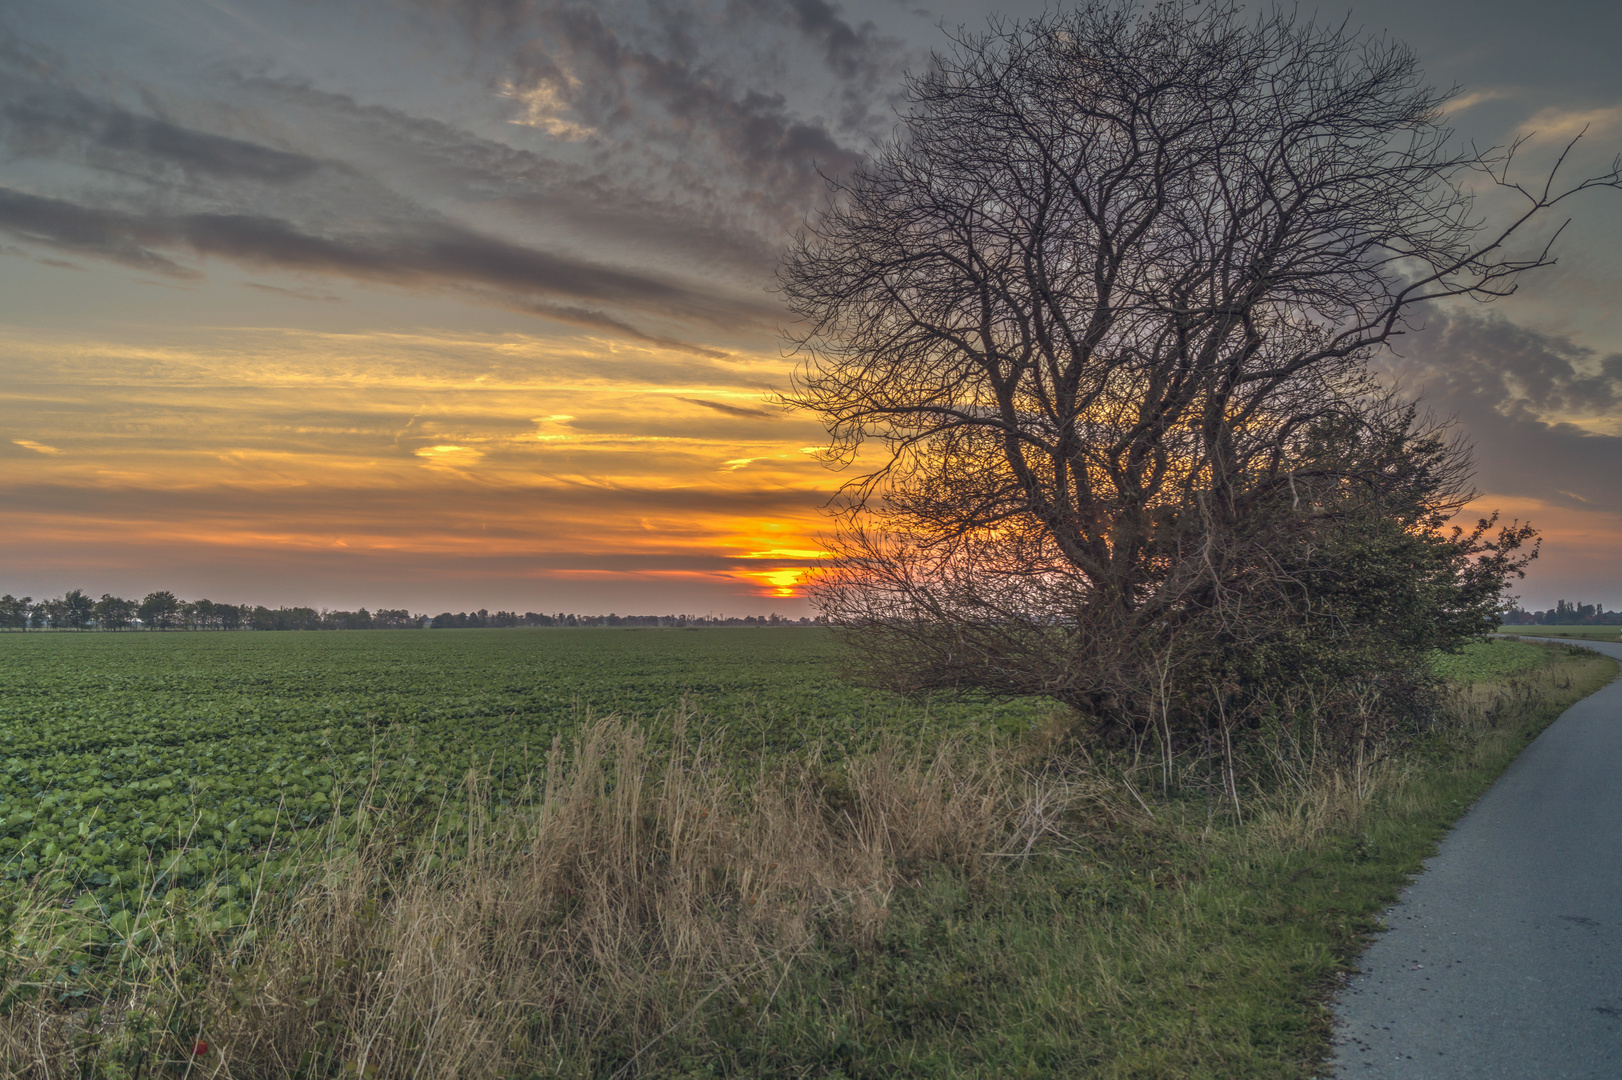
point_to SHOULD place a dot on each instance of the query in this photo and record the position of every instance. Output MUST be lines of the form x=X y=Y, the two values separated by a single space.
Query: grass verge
x=1582 y=633
x=951 y=914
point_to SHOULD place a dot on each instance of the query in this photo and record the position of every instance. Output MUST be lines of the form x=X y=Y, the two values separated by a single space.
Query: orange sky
x=437 y=468
x=361 y=304
x=354 y=467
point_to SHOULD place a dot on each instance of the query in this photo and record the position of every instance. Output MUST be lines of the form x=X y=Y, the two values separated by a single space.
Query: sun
x=779 y=582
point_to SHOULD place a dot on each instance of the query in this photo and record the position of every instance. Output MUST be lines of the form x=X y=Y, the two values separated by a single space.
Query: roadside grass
x=1590 y=633
x=959 y=911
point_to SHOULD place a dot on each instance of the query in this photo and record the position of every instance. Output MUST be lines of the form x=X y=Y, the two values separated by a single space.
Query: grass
x=647 y=907
x=1588 y=633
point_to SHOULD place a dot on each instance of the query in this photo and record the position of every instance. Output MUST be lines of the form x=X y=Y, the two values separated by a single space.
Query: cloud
x=1476 y=97
x=579 y=316
x=169 y=190
x=691 y=96
x=1518 y=372
x=427 y=255
x=854 y=52
x=1519 y=394
x=71 y=227
x=448 y=456
x=620 y=201
x=605 y=78
x=57 y=122
x=297 y=294
x=38 y=448
x=733 y=410
x=1559 y=123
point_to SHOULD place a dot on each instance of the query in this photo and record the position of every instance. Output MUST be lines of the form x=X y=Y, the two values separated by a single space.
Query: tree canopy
x=1106 y=306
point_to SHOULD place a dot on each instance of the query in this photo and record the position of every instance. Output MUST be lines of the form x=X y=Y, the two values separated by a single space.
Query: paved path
x=1504 y=958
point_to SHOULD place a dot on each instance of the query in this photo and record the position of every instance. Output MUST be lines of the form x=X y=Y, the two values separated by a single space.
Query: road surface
x=1504 y=958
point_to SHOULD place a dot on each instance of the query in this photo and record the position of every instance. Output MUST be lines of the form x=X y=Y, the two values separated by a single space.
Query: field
x=356 y=855
x=116 y=749
x=1481 y=660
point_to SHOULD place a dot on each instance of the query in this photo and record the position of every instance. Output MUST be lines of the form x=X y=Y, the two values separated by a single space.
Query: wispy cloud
x=415 y=450
x=1556 y=122
x=733 y=410
x=297 y=294
x=46 y=120
x=157 y=195
x=543 y=106
x=427 y=254
x=1473 y=98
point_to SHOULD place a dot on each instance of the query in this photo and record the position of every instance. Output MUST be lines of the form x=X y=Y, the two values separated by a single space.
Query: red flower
x=200 y=1049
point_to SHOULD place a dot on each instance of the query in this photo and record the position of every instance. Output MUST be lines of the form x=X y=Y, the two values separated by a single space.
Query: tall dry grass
x=568 y=937
x=1299 y=792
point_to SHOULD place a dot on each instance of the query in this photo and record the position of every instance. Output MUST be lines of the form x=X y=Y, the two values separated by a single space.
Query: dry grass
x=1301 y=795
x=566 y=938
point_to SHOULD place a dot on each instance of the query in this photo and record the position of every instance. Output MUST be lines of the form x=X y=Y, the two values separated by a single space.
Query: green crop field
x=1489 y=660
x=118 y=749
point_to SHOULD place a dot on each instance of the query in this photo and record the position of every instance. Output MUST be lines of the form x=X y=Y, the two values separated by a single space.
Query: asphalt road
x=1504 y=958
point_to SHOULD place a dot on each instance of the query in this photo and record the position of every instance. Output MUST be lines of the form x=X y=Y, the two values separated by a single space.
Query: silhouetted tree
x=77 y=609
x=1106 y=307
x=114 y=613
x=160 y=610
x=14 y=611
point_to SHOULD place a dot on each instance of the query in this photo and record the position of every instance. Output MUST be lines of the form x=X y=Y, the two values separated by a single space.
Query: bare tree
x=1106 y=305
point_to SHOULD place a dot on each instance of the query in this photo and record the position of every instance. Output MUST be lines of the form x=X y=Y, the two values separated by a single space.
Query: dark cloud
x=605 y=79
x=297 y=294
x=69 y=226
x=603 y=321
x=60 y=123
x=689 y=95
x=1515 y=392
x=432 y=254
x=704 y=129
x=733 y=410
x=607 y=205
x=1520 y=372
x=854 y=52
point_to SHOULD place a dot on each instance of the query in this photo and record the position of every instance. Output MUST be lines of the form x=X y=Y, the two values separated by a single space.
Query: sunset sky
x=467 y=303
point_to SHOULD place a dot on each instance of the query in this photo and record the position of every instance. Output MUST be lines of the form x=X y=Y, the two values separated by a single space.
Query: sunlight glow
x=779 y=582
x=407 y=455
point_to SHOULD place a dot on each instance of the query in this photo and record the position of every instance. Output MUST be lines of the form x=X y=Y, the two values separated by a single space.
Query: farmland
x=1489 y=660
x=316 y=854
x=116 y=750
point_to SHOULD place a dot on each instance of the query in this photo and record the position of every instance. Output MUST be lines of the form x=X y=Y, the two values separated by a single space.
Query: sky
x=450 y=304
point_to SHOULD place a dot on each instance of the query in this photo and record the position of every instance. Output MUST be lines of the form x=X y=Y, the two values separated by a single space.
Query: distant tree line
x=1565 y=613
x=163 y=610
